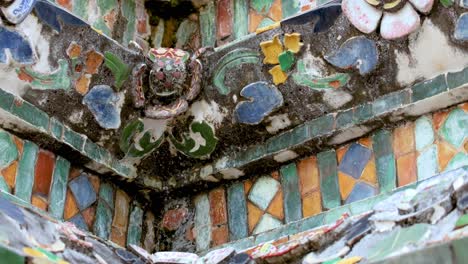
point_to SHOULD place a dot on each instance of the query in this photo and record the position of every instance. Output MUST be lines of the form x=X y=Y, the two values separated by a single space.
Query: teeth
x=373 y=2
x=391 y=4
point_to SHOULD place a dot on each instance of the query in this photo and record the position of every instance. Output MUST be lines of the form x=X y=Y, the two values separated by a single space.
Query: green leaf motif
x=120 y=70
x=58 y=79
x=145 y=143
x=446 y=3
x=190 y=147
x=305 y=78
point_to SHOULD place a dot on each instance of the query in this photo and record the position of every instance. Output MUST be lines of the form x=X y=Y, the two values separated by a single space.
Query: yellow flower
x=271 y=49
x=279 y=76
x=292 y=42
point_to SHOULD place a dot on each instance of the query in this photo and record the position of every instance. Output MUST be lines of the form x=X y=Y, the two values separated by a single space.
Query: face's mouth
x=387 y=5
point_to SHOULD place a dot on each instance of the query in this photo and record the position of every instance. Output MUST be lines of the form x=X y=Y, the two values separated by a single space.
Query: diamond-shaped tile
x=361 y=191
x=267 y=222
x=455 y=128
x=263 y=191
x=83 y=191
x=355 y=160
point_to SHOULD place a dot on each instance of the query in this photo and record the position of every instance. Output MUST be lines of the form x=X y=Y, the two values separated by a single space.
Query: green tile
x=423 y=132
x=207 y=25
x=457 y=79
x=390 y=102
x=59 y=187
x=9 y=151
x=458 y=161
x=362 y=113
x=3 y=185
x=286 y=60
x=261 y=6
x=104 y=211
x=329 y=179
x=245 y=243
x=344 y=119
x=335 y=214
x=321 y=126
x=74 y=139
x=25 y=174
x=96 y=152
x=290 y=8
x=310 y=222
x=10 y=257
x=427 y=163
x=366 y=205
x=106 y=192
x=296 y=136
x=241 y=18
x=455 y=128
x=291 y=193
x=121 y=168
x=384 y=160
x=270 y=235
x=31 y=114
x=6 y=100
x=429 y=255
x=56 y=128
x=429 y=88
x=135 y=226
x=459 y=250
x=237 y=211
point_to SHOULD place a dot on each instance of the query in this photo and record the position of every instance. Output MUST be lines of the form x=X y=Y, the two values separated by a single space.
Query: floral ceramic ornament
x=399 y=16
x=275 y=53
x=16 y=11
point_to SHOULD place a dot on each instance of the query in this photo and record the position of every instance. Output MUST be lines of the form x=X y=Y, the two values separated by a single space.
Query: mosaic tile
x=403 y=139
x=423 y=132
x=428 y=88
x=224 y=19
x=79 y=221
x=219 y=235
x=241 y=18
x=311 y=204
x=103 y=103
x=254 y=215
x=457 y=79
x=248 y=185
x=461 y=28
x=276 y=206
x=17 y=45
x=427 y=163
x=237 y=211
x=207 y=25
x=83 y=191
x=89 y=215
x=292 y=195
x=290 y=8
x=446 y=153
x=361 y=191
x=104 y=211
x=369 y=174
x=202 y=222
x=261 y=6
x=50 y=15
x=362 y=113
x=24 y=177
x=267 y=222
x=390 y=102
x=73 y=139
x=308 y=175
x=9 y=174
x=384 y=160
x=174 y=218
x=329 y=179
x=10 y=256
x=263 y=191
x=438 y=119
x=70 y=207
x=355 y=160
x=275 y=12
x=43 y=173
x=406 y=168
x=218 y=211
x=135 y=226
x=39 y=201
x=460 y=160
x=346 y=184
x=455 y=128
x=9 y=151
x=120 y=220
x=286 y=60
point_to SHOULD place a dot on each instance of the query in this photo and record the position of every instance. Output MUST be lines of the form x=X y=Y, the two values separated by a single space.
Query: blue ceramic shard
x=357 y=52
x=263 y=99
x=16 y=12
x=355 y=160
x=80 y=222
x=83 y=191
x=19 y=47
x=461 y=29
x=103 y=102
x=54 y=16
x=361 y=191
x=12 y=211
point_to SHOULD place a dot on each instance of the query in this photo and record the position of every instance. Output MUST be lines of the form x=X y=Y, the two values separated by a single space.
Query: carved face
x=387 y=5
x=169 y=72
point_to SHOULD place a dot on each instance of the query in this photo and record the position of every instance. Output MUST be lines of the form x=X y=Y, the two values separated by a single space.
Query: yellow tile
x=446 y=153
x=271 y=49
x=308 y=175
x=403 y=139
x=247 y=186
x=367 y=142
x=369 y=174
x=292 y=42
x=311 y=204
x=254 y=215
x=346 y=184
x=279 y=76
x=276 y=206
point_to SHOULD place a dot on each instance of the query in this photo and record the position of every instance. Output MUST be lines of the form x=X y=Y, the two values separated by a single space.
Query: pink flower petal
x=424 y=6
x=362 y=15
x=400 y=24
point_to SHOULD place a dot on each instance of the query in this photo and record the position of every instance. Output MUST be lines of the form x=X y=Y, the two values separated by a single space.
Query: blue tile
x=318 y=20
x=19 y=47
x=461 y=28
x=262 y=100
x=361 y=191
x=358 y=52
x=11 y=210
x=103 y=102
x=355 y=160
x=291 y=193
x=50 y=15
x=424 y=133
x=237 y=211
x=83 y=191
x=79 y=221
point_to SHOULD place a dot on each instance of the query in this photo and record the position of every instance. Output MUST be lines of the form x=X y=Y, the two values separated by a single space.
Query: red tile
x=43 y=172
x=88 y=215
x=95 y=182
x=74 y=172
x=219 y=235
x=218 y=206
x=275 y=175
x=67 y=4
x=174 y=218
x=224 y=16
x=406 y=169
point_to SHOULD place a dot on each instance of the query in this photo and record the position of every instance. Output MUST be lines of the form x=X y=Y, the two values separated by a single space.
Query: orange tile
x=367 y=142
x=121 y=209
x=254 y=20
x=254 y=215
x=311 y=204
x=369 y=174
x=93 y=61
x=276 y=12
x=218 y=206
x=439 y=118
x=39 y=201
x=341 y=152
x=280 y=241
x=308 y=175
x=43 y=172
x=71 y=208
x=247 y=185
x=275 y=175
x=403 y=139
x=464 y=106
x=466 y=146
x=74 y=172
x=118 y=236
x=95 y=182
x=276 y=206
x=9 y=173
x=88 y=216
x=305 y=8
x=19 y=144
x=446 y=153
x=346 y=184
x=219 y=235
x=406 y=169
